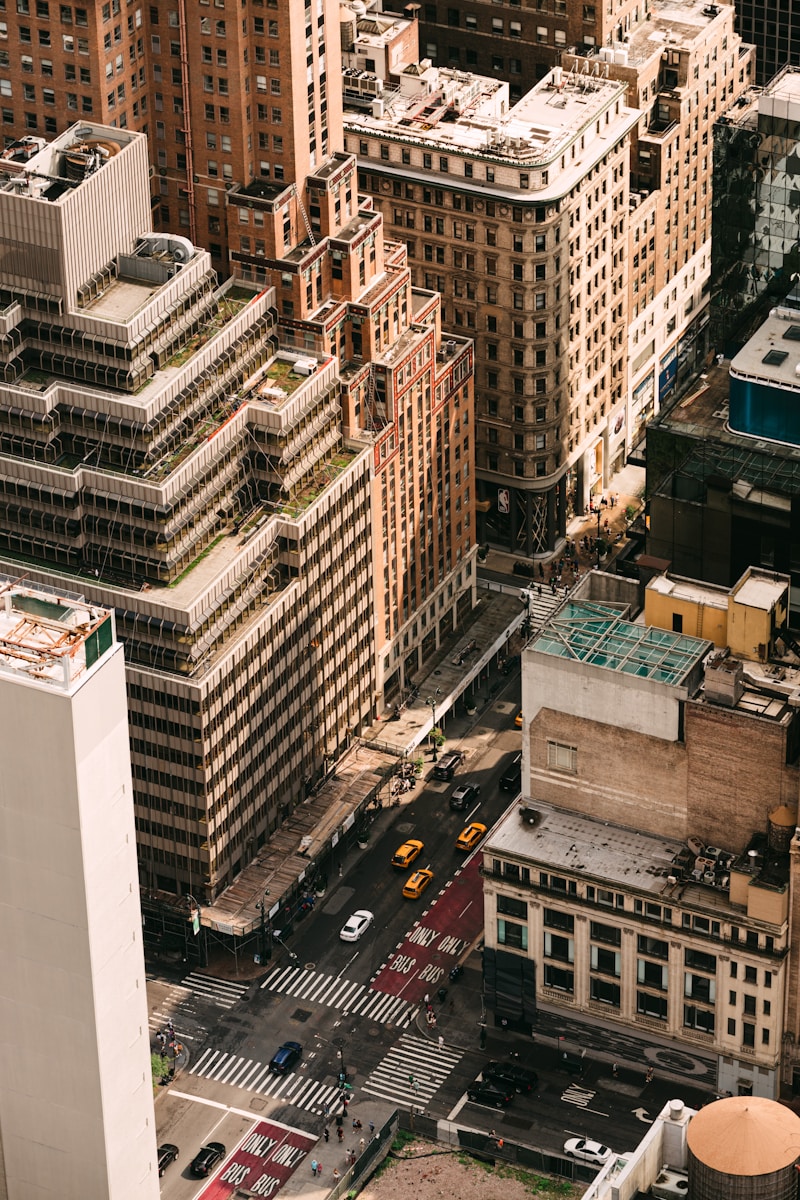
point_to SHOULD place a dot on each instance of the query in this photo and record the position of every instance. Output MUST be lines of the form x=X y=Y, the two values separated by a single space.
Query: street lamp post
x=432 y=702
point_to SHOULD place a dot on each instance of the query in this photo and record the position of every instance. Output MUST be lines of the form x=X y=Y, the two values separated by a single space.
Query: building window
x=608 y=962
x=561 y=948
x=653 y=947
x=559 y=979
x=559 y=920
x=700 y=961
x=511 y=934
x=699 y=987
x=651 y=1006
x=603 y=991
x=699 y=1018
x=654 y=975
x=561 y=757
x=510 y=906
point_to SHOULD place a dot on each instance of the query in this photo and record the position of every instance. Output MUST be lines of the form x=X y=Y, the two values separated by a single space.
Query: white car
x=588 y=1151
x=357 y=925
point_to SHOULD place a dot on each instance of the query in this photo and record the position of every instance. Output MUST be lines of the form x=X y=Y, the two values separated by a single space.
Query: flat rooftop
x=761 y=471
x=772 y=354
x=568 y=841
x=50 y=638
x=56 y=168
x=599 y=634
x=697 y=875
x=679 y=21
x=692 y=590
x=468 y=114
x=761 y=591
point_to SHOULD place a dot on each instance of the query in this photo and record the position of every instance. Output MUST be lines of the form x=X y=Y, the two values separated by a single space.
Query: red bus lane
x=423 y=960
x=266 y=1159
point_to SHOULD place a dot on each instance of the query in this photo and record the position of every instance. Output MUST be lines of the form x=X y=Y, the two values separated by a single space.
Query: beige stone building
x=660 y=784
x=261 y=517
x=515 y=213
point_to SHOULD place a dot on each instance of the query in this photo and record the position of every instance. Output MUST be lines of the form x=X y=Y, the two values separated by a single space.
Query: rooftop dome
x=783 y=816
x=745 y=1135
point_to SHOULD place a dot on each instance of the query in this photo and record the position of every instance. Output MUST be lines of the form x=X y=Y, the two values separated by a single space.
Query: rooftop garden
x=302 y=500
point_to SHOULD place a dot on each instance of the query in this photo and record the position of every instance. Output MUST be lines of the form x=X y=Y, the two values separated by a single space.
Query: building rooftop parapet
x=49 y=637
x=469 y=115
x=688 y=874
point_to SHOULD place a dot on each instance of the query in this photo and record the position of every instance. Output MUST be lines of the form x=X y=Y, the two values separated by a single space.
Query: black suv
x=486 y=1091
x=464 y=795
x=512 y=777
x=520 y=1078
x=447 y=766
x=203 y=1164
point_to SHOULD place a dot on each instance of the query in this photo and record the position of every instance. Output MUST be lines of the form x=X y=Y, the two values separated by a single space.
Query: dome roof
x=783 y=816
x=745 y=1135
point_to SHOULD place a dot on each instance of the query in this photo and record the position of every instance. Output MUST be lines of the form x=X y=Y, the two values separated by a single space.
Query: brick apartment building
x=649 y=873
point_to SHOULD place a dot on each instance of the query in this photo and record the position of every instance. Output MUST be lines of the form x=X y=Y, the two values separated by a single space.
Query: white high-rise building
x=76 y=1100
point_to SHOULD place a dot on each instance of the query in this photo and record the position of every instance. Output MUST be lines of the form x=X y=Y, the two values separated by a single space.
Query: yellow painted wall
x=699 y=620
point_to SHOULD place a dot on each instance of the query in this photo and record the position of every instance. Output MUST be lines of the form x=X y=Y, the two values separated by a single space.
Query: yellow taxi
x=409 y=850
x=416 y=884
x=469 y=837
x=518 y=719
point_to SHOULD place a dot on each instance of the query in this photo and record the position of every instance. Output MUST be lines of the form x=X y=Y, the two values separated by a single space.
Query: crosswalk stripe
x=412 y=1057
x=295 y=1089
x=353 y=998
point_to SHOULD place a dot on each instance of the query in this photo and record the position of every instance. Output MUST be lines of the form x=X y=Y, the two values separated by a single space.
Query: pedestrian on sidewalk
x=327 y=1133
x=340 y=1133
x=336 y=1174
x=372 y=1128
x=441 y=1042
x=314 y=1165
x=361 y=1145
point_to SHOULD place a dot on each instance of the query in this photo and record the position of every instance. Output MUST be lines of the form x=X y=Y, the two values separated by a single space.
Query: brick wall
x=627 y=778
x=737 y=773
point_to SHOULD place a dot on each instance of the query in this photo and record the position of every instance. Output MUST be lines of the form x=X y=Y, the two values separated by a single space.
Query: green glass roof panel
x=598 y=634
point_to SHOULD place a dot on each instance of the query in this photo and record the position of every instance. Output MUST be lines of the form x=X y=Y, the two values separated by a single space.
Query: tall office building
x=518 y=215
x=685 y=66
x=755 y=234
x=76 y=1098
x=271 y=482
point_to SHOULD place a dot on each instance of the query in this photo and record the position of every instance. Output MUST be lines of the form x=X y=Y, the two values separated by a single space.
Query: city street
x=358 y=1006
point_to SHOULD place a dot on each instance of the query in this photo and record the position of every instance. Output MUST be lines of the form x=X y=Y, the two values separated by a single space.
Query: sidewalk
x=333 y=1155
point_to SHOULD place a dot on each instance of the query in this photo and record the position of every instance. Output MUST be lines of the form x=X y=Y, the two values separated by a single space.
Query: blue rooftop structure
x=599 y=634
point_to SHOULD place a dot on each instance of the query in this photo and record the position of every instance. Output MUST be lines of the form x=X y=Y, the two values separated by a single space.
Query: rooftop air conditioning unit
x=304 y=366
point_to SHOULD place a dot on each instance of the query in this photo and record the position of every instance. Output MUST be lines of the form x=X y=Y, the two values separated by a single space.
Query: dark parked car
x=284 y=1059
x=464 y=795
x=520 y=1078
x=486 y=1091
x=207 y=1159
x=447 y=766
x=512 y=777
x=166 y=1155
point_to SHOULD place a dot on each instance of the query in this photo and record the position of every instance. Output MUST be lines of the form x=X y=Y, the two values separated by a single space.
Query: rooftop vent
x=530 y=816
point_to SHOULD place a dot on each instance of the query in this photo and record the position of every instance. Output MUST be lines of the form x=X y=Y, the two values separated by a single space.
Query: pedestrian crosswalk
x=310 y=1094
x=352 y=999
x=412 y=1072
x=179 y=1004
